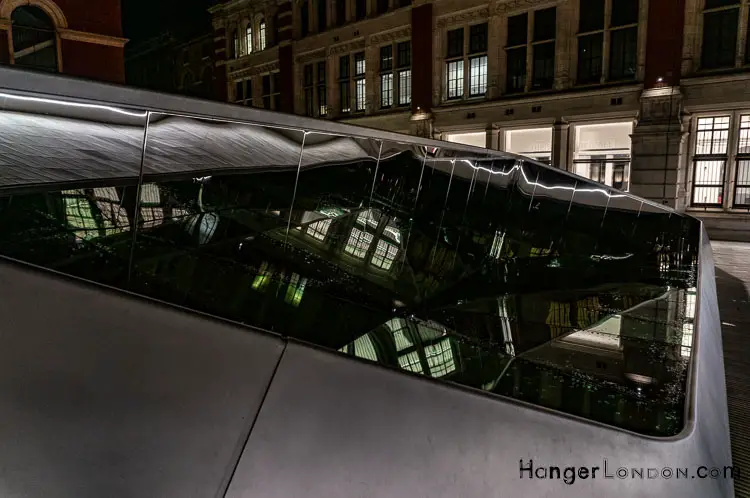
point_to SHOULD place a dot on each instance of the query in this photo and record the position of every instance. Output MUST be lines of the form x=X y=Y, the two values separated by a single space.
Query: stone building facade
x=650 y=96
x=75 y=37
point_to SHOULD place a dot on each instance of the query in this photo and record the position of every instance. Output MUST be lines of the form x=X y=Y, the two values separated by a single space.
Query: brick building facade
x=75 y=37
x=652 y=96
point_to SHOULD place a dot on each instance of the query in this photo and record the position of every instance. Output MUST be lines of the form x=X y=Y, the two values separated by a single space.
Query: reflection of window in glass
x=205 y=224
x=79 y=215
x=152 y=213
x=295 y=290
x=410 y=362
x=558 y=319
x=385 y=254
x=440 y=358
x=364 y=348
x=687 y=340
x=368 y=217
x=430 y=330
x=114 y=216
x=710 y=159
x=319 y=229
x=260 y=282
x=497 y=245
x=358 y=243
x=399 y=329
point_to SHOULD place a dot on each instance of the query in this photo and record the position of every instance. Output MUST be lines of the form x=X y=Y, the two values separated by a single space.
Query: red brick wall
x=664 y=41
x=93 y=16
x=421 y=41
x=89 y=60
x=286 y=68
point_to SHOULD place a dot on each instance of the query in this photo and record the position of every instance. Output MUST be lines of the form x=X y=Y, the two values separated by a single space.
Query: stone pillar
x=421 y=124
x=659 y=148
x=560 y=134
x=493 y=138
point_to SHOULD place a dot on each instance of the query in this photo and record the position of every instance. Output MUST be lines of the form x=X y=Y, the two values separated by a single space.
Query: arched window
x=235 y=45
x=262 y=34
x=249 y=38
x=34 y=39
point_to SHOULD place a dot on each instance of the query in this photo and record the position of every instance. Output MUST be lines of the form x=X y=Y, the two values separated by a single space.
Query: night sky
x=142 y=19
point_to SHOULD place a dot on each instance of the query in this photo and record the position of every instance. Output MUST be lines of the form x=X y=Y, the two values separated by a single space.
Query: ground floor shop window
x=602 y=153
x=535 y=143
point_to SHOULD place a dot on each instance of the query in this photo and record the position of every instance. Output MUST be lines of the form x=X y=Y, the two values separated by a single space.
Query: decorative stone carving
x=345 y=48
x=254 y=70
x=501 y=7
x=464 y=17
x=311 y=56
x=390 y=36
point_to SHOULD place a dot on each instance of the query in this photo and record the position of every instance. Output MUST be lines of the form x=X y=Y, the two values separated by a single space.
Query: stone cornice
x=82 y=36
x=464 y=17
x=311 y=56
x=504 y=6
x=345 y=48
x=246 y=72
x=390 y=36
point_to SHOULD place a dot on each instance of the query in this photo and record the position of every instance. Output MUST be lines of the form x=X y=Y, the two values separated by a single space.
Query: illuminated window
x=295 y=290
x=262 y=34
x=404 y=87
x=385 y=254
x=364 y=348
x=399 y=329
x=602 y=153
x=440 y=358
x=477 y=139
x=235 y=44
x=79 y=215
x=455 y=78
x=535 y=143
x=710 y=159
x=319 y=229
x=410 y=362
x=152 y=213
x=367 y=218
x=477 y=76
x=358 y=243
x=360 y=98
x=114 y=216
x=260 y=282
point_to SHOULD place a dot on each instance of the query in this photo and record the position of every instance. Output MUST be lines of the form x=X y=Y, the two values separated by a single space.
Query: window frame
x=360 y=82
x=528 y=51
x=706 y=11
x=271 y=99
x=732 y=158
x=247 y=88
x=457 y=66
x=396 y=72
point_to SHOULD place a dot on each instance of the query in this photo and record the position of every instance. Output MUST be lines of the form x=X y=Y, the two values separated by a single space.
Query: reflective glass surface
x=488 y=271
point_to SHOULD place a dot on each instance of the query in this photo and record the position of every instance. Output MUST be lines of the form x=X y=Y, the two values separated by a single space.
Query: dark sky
x=142 y=19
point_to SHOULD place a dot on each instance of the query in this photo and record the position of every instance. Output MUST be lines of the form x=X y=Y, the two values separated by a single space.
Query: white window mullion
x=730 y=170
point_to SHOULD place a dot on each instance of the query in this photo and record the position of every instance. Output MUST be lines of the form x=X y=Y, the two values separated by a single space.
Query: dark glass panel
x=518 y=30
x=623 y=53
x=544 y=66
x=516 y=73
x=591 y=15
x=305 y=18
x=590 y=58
x=404 y=54
x=322 y=15
x=455 y=43
x=386 y=58
x=478 y=38
x=545 y=24
x=624 y=12
x=719 y=38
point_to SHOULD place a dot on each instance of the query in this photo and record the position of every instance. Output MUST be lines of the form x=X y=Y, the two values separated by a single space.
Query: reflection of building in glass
x=79 y=214
x=295 y=290
x=152 y=213
x=114 y=216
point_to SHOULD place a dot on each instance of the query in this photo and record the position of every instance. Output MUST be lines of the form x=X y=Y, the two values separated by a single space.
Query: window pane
x=262 y=35
x=544 y=66
x=266 y=84
x=340 y=12
x=719 y=38
x=592 y=15
x=516 y=75
x=386 y=58
x=321 y=72
x=386 y=90
x=545 y=24
x=624 y=12
x=385 y=254
x=382 y=6
x=478 y=76
x=359 y=64
x=360 y=8
x=344 y=96
x=622 y=54
x=708 y=187
x=590 y=58
x=308 y=74
x=742 y=191
x=344 y=66
x=455 y=79
x=309 y=104
x=238 y=91
x=404 y=54
x=743 y=145
x=518 y=28
x=404 y=87
x=455 y=43
x=360 y=94
x=712 y=135
x=478 y=38
x=322 y=98
x=322 y=15
x=276 y=79
x=358 y=243
x=249 y=39
x=305 y=18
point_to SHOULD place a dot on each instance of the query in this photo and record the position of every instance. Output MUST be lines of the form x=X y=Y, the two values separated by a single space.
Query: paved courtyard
x=732 y=261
